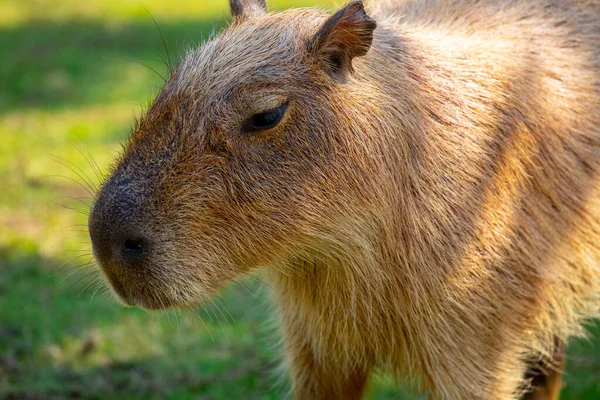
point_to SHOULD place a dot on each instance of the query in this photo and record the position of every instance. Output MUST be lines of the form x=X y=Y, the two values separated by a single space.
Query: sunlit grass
x=14 y=12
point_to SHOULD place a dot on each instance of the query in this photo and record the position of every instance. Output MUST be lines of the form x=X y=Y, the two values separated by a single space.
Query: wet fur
x=435 y=212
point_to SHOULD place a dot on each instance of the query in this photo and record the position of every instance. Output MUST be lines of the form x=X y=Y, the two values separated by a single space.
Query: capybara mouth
x=161 y=304
x=133 y=295
x=119 y=289
x=148 y=300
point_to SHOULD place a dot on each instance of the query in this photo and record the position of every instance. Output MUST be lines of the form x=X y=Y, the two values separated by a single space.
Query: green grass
x=71 y=82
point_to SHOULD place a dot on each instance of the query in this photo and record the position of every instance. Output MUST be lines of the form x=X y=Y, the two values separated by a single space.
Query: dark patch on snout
x=116 y=225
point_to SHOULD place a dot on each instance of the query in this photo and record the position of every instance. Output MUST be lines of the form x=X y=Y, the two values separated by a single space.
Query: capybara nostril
x=134 y=247
x=117 y=249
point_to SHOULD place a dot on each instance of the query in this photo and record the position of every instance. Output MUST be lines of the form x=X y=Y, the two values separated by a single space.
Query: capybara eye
x=266 y=120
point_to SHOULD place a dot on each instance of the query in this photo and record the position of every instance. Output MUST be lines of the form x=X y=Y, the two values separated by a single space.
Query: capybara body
x=419 y=182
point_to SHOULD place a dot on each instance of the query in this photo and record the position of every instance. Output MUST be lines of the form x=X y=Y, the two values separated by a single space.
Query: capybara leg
x=547 y=379
x=312 y=380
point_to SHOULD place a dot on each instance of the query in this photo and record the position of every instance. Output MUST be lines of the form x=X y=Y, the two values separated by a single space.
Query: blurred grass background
x=71 y=80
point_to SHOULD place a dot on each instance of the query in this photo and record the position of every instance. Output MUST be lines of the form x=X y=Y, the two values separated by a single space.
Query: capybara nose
x=115 y=227
x=115 y=247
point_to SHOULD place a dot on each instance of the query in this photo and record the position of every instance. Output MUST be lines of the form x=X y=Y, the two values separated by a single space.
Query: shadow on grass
x=147 y=378
x=56 y=64
x=55 y=342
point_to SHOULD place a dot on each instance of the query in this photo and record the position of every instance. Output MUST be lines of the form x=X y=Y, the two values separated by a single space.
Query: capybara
x=418 y=182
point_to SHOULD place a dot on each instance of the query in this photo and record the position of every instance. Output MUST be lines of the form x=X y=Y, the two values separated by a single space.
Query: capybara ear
x=346 y=34
x=241 y=9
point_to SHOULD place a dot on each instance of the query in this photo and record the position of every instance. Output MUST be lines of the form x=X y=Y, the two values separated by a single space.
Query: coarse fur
x=429 y=204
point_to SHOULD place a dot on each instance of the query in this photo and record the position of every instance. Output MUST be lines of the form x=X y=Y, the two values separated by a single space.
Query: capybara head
x=246 y=158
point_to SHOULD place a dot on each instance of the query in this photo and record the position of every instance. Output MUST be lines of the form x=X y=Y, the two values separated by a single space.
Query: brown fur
x=430 y=208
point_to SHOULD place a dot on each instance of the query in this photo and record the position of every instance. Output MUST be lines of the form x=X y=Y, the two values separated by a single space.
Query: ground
x=73 y=75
